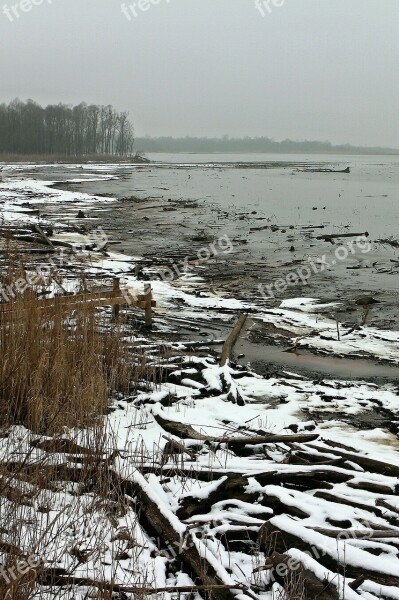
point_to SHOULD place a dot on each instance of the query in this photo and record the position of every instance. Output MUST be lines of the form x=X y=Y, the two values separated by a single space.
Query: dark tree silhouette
x=250 y=145
x=27 y=128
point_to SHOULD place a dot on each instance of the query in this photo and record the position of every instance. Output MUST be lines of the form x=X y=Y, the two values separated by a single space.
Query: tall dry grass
x=58 y=368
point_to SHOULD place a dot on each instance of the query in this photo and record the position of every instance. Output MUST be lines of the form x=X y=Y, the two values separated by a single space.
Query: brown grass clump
x=58 y=369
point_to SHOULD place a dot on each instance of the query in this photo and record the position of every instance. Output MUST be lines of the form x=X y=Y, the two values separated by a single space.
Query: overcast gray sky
x=314 y=69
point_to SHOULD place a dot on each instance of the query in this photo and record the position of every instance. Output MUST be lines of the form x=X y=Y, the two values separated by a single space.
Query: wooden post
x=231 y=340
x=117 y=292
x=148 y=305
x=44 y=237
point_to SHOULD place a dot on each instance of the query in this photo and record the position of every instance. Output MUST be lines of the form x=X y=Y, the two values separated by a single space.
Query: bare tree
x=27 y=128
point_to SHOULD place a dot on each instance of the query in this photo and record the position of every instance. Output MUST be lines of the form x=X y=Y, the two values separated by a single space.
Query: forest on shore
x=247 y=144
x=26 y=128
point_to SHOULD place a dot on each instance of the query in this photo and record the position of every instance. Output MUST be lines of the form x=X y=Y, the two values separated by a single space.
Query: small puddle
x=304 y=362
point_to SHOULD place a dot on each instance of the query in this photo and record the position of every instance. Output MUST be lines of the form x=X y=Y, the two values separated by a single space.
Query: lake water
x=367 y=199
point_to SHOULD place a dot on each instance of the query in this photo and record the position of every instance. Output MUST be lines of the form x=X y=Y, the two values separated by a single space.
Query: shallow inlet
x=303 y=362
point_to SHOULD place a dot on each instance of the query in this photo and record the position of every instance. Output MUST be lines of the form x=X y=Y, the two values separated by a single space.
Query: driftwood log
x=230 y=486
x=166 y=527
x=273 y=538
x=328 y=237
x=292 y=575
x=182 y=430
x=367 y=463
x=358 y=534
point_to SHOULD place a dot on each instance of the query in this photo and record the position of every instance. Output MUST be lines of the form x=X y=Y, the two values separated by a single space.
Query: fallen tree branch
x=280 y=537
x=174 y=447
x=369 y=464
x=170 y=529
x=182 y=430
x=300 y=576
x=230 y=486
x=332 y=236
x=358 y=534
x=331 y=497
x=388 y=506
x=50 y=578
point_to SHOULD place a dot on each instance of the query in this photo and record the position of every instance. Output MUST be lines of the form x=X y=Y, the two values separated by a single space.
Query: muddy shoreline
x=164 y=231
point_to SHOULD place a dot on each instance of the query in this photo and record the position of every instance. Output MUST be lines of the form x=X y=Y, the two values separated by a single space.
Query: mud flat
x=274 y=217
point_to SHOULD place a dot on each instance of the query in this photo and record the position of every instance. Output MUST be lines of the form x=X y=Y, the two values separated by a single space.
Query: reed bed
x=58 y=368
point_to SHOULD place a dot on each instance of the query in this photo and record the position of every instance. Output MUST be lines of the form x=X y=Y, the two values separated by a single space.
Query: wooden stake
x=148 y=306
x=44 y=237
x=231 y=340
x=117 y=291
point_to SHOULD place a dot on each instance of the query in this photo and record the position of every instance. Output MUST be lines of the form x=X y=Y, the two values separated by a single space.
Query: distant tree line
x=29 y=129
x=248 y=145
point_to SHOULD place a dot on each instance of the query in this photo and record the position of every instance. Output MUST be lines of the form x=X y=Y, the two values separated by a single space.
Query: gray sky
x=315 y=69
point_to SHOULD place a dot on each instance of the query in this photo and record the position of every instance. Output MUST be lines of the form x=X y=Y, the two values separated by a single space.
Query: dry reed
x=58 y=368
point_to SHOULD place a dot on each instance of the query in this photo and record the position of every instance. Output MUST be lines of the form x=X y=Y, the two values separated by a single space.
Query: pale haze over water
x=307 y=69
